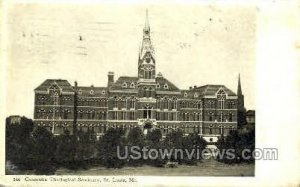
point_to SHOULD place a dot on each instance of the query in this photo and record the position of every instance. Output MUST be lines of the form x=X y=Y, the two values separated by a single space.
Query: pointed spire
x=147 y=26
x=239 y=89
x=146 y=43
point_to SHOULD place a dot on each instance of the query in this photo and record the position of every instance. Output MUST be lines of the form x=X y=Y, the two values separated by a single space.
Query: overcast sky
x=194 y=45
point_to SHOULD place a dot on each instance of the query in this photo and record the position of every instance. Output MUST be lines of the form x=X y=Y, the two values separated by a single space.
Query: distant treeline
x=37 y=149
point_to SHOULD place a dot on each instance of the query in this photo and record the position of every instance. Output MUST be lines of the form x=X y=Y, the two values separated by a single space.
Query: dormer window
x=80 y=92
x=196 y=95
x=103 y=92
x=185 y=94
x=124 y=85
x=92 y=92
x=132 y=85
x=157 y=85
x=166 y=86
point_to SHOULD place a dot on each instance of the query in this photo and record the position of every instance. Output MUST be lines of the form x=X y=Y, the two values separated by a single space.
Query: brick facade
x=147 y=101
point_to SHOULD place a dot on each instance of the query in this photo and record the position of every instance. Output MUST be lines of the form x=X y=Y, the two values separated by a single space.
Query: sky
x=194 y=45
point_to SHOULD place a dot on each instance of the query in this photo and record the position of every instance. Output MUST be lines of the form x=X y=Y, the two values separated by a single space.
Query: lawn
x=206 y=168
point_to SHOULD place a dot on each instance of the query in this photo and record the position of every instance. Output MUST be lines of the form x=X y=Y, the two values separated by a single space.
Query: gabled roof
x=210 y=89
x=64 y=85
x=161 y=81
x=206 y=90
x=91 y=91
x=125 y=82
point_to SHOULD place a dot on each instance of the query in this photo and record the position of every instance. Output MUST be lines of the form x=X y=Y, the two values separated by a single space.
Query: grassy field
x=206 y=168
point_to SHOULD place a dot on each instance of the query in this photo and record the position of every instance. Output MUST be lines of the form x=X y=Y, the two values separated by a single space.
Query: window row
x=166 y=104
x=54 y=115
x=217 y=130
x=166 y=116
x=128 y=103
x=123 y=115
x=190 y=104
x=220 y=117
x=147 y=92
x=186 y=116
x=221 y=104
x=54 y=99
x=98 y=103
x=92 y=115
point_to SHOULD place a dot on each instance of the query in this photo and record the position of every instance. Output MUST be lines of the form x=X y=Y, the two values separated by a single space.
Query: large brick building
x=147 y=101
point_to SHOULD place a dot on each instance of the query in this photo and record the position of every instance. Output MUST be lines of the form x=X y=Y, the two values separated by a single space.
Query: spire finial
x=147 y=27
x=239 y=90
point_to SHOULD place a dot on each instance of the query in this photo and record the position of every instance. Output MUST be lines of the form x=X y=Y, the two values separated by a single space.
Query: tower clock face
x=148 y=60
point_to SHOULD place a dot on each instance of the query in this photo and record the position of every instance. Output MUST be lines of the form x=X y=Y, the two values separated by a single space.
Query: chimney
x=195 y=87
x=76 y=84
x=110 y=78
x=191 y=87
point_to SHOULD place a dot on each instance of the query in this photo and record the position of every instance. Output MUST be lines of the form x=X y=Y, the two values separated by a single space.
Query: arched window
x=115 y=102
x=173 y=103
x=183 y=104
x=221 y=96
x=157 y=116
x=145 y=92
x=93 y=114
x=123 y=102
x=210 y=116
x=150 y=94
x=157 y=103
x=55 y=98
x=165 y=103
x=210 y=130
x=230 y=117
x=199 y=105
x=132 y=103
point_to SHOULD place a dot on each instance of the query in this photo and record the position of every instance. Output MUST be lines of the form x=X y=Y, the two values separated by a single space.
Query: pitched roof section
x=163 y=84
x=125 y=82
x=206 y=90
x=91 y=91
x=64 y=85
x=213 y=89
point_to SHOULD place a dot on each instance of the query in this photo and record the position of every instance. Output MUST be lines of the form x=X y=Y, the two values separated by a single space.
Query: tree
x=18 y=143
x=43 y=153
x=239 y=140
x=192 y=144
x=174 y=140
x=154 y=136
x=108 y=147
x=86 y=148
x=66 y=150
x=135 y=138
